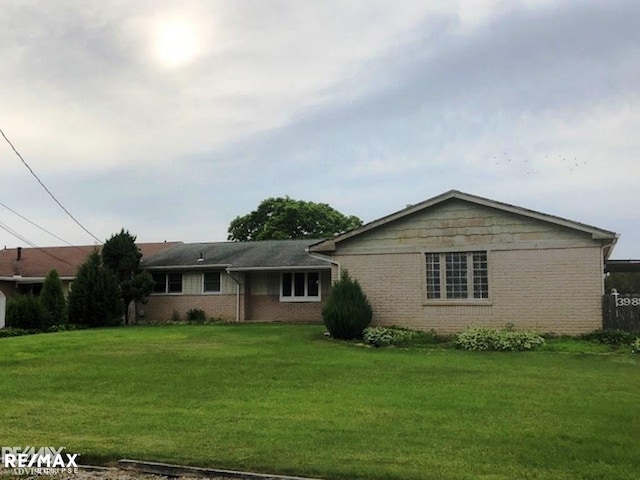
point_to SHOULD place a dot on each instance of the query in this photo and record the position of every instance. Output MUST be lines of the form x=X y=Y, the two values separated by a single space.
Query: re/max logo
x=30 y=457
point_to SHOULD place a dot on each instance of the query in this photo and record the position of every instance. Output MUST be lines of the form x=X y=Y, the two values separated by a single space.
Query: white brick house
x=457 y=260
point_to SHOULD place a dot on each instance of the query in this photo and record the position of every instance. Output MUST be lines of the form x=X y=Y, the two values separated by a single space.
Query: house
x=271 y=280
x=452 y=261
x=23 y=270
x=457 y=260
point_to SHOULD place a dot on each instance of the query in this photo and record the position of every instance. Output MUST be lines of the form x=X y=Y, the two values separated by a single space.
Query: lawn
x=284 y=399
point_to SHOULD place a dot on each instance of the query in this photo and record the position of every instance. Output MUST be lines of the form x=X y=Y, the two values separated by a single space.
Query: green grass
x=283 y=399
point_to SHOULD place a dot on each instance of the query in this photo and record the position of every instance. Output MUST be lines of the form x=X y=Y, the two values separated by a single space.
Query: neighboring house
x=270 y=280
x=458 y=260
x=23 y=270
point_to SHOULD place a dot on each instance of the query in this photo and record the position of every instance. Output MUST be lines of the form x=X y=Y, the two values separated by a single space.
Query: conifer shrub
x=347 y=311
x=94 y=300
x=54 y=305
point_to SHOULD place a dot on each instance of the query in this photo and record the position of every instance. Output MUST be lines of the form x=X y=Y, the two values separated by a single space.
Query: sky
x=171 y=118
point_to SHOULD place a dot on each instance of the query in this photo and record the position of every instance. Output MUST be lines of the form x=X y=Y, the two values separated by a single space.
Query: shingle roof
x=37 y=262
x=266 y=254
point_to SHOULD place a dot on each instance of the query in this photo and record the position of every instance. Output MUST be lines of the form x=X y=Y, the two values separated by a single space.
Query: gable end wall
x=541 y=276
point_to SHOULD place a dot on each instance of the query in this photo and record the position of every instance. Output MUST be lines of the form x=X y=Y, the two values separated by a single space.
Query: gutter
x=325 y=259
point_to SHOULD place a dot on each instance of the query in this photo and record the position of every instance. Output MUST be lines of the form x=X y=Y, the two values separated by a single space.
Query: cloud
x=356 y=104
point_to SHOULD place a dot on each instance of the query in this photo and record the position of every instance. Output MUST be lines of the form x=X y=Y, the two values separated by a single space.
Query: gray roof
x=259 y=255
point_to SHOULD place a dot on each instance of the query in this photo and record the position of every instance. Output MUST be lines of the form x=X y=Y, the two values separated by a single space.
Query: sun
x=176 y=43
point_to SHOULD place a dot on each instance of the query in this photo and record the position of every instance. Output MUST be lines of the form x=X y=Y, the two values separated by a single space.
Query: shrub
x=25 y=312
x=196 y=315
x=507 y=339
x=54 y=305
x=175 y=316
x=610 y=337
x=347 y=311
x=15 y=332
x=635 y=346
x=383 y=336
x=94 y=300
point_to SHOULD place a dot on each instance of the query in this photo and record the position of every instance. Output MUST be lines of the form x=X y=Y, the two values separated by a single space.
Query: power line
x=36 y=225
x=31 y=244
x=47 y=190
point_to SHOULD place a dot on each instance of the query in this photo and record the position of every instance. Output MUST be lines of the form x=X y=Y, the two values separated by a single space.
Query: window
x=211 y=282
x=300 y=286
x=167 y=282
x=464 y=275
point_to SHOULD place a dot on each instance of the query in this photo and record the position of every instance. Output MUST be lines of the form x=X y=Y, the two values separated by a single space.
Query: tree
x=285 y=218
x=623 y=282
x=54 y=305
x=121 y=255
x=347 y=311
x=95 y=299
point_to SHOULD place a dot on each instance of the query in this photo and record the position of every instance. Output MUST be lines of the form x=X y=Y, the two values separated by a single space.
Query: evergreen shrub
x=54 y=305
x=347 y=311
x=25 y=312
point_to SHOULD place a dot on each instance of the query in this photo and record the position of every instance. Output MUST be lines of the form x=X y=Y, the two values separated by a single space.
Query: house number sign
x=627 y=302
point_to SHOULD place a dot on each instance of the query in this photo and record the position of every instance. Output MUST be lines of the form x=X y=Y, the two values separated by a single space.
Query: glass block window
x=457 y=275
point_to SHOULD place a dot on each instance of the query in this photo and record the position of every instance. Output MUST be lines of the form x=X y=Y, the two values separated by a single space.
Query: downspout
x=237 y=293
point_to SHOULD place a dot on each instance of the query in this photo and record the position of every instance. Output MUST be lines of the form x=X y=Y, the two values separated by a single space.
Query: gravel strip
x=98 y=474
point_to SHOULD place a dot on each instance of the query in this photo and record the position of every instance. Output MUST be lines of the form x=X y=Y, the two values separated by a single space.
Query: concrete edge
x=169 y=470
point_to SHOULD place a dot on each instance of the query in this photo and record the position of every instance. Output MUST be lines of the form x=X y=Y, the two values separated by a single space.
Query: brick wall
x=549 y=290
x=264 y=308
x=269 y=308
x=161 y=307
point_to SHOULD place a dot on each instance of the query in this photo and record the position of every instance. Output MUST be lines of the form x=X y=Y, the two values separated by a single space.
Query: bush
x=15 y=332
x=610 y=337
x=383 y=336
x=347 y=311
x=196 y=315
x=25 y=312
x=635 y=346
x=506 y=340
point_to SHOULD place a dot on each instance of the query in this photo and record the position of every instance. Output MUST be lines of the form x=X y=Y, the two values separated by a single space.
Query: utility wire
x=31 y=244
x=47 y=190
x=35 y=224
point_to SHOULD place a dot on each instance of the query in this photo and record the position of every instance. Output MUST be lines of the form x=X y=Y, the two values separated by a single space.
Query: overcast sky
x=172 y=118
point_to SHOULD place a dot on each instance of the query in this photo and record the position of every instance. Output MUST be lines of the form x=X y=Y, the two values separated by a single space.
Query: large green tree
x=121 y=255
x=95 y=299
x=285 y=218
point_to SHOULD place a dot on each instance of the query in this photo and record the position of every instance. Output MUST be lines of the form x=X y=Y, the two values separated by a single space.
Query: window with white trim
x=211 y=282
x=457 y=276
x=300 y=287
x=167 y=282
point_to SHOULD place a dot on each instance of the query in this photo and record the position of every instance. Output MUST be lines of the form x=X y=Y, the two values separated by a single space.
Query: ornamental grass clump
x=504 y=340
x=347 y=311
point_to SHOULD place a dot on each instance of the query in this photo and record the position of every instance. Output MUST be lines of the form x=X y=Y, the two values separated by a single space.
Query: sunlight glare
x=176 y=43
